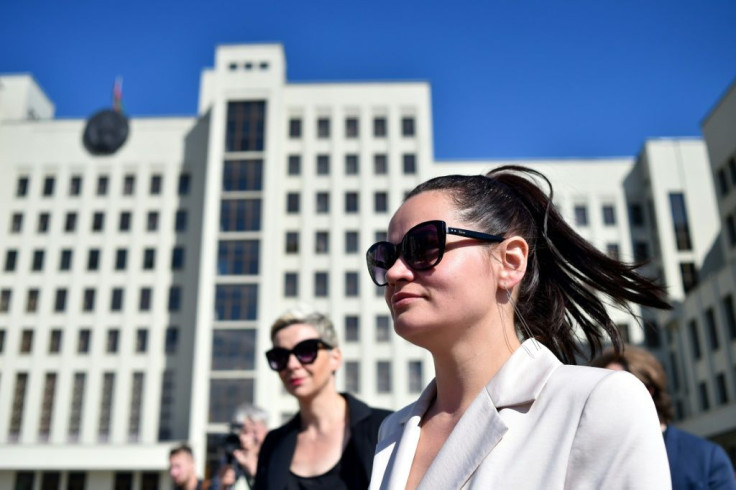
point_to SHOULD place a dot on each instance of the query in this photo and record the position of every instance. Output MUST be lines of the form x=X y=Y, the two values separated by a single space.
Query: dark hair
x=182 y=448
x=564 y=271
x=648 y=369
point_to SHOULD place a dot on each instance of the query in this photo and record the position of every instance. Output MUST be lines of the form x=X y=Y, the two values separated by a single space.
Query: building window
x=149 y=259
x=121 y=259
x=155 y=187
x=416 y=377
x=129 y=185
x=612 y=250
x=240 y=215
x=93 y=259
x=380 y=164
x=55 y=337
x=226 y=395
x=136 y=404
x=32 y=300
x=51 y=480
x=152 y=221
x=379 y=127
x=124 y=221
x=26 y=341
x=291 y=284
x=47 y=407
x=75 y=185
x=292 y=202
x=352 y=284
x=65 y=260
x=171 y=340
x=43 y=222
x=246 y=126
x=732 y=169
x=165 y=416
x=106 y=404
x=141 y=340
x=292 y=242
x=352 y=328
x=75 y=412
x=352 y=376
x=11 y=260
x=70 y=222
x=322 y=242
x=636 y=214
x=144 y=300
x=98 y=221
x=410 y=163
x=680 y=221
x=102 y=183
x=174 y=303
x=351 y=242
x=88 y=302
x=48 y=186
x=295 y=128
x=84 y=341
x=351 y=202
x=352 y=166
x=694 y=339
x=407 y=126
x=383 y=377
x=321 y=284
x=5 y=297
x=184 y=183
x=323 y=164
x=323 y=202
x=16 y=415
x=323 y=128
x=704 y=399
x=723 y=182
x=177 y=258
x=731 y=229
x=294 y=165
x=234 y=350
x=60 y=300
x=689 y=276
x=21 y=189
x=116 y=299
x=16 y=223
x=641 y=251
x=236 y=302
x=351 y=127
x=730 y=314
x=113 y=336
x=609 y=215
x=238 y=257
x=380 y=202
x=721 y=389
x=710 y=321
x=383 y=328
x=2 y=340
x=243 y=175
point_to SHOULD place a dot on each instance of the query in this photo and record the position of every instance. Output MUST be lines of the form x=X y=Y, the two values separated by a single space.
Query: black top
x=332 y=480
x=356 y=463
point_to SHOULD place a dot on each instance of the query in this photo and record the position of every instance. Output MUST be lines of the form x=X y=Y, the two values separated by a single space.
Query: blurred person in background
x=330 y=442
x=182 y=469
x=694 y=462
x=242 y=445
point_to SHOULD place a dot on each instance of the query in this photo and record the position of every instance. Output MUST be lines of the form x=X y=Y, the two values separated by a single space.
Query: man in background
x=182 y=469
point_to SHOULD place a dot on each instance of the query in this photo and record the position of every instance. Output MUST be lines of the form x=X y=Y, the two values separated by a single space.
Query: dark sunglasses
x=305 y=351
x=422 y=248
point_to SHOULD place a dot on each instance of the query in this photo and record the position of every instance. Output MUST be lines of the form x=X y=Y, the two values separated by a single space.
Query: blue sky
x=523 y=79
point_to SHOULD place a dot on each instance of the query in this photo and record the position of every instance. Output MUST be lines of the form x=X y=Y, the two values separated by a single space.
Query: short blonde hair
x=306 y=315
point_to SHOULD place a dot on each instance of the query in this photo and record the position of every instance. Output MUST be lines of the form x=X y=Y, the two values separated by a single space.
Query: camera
x=231 y=443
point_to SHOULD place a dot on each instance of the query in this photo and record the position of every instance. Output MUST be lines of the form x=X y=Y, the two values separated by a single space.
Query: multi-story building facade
x=138 y=287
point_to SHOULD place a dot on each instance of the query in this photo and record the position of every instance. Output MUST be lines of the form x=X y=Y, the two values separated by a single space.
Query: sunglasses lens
x=307 y=351
x=421 y=247
x=278 y=358
x=381 y=257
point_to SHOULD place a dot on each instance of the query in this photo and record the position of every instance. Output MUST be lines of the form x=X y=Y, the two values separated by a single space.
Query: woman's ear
x=335 y=359
x=512 y=254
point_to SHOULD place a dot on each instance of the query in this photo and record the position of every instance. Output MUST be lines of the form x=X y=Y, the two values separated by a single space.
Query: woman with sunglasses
x=484 y=273
x=330 y=442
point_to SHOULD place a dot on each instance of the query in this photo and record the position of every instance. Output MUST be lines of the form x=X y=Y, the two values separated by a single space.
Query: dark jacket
x=277 y=450
x=696 y=462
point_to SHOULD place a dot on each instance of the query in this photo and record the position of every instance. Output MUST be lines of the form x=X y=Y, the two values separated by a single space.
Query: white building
x=137 y=288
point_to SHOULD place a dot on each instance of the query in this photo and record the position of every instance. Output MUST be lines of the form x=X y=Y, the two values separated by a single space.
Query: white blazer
x=537 y=424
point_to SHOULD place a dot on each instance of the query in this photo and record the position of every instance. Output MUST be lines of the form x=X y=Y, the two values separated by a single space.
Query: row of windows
x=155 y=185
x=321 y=288
x=84 y=341
x=384 y=377
x=352 y=164
x=94 y=259
x=712 y=328
x=125 y=221
x=351 y=202
x=608 y=213
x=89 y=296
x=352 y=127
x=727 y=177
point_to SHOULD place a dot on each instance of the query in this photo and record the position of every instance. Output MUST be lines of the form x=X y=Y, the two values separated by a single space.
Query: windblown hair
x=564 y=272
x=303 y=314
x=648 y=369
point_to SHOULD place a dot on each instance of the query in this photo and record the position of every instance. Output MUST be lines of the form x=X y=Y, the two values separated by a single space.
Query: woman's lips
x=296 y=381
x=402 y=299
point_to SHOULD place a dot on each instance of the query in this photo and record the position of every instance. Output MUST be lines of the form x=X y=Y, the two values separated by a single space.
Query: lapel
x=283 y=452
x=481 y=428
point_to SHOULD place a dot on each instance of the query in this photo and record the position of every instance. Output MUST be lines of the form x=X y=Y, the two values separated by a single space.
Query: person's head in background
x=181 y=467
x=647 y=368
x=305 y=352
x=251 y=424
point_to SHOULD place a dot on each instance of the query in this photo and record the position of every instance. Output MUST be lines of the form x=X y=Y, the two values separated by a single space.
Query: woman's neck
x=323 y=410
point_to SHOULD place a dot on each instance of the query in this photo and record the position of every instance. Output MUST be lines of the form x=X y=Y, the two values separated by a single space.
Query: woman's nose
x=398 y=271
